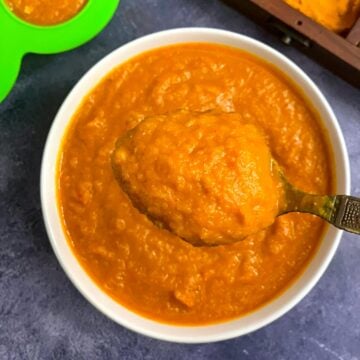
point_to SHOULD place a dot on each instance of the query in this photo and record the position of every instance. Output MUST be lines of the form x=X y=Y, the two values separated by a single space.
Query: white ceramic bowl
x=83 y=282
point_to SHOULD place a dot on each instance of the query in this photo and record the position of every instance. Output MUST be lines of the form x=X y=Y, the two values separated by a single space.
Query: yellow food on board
x=336 y=15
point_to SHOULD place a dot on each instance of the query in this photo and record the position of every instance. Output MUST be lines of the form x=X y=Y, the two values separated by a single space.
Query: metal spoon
x=341 y=211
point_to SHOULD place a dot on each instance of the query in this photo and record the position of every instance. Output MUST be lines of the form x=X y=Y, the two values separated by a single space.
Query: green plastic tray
x=19 y=37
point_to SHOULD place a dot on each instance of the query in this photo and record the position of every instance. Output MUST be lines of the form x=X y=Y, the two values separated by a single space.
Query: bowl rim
x=51 y=212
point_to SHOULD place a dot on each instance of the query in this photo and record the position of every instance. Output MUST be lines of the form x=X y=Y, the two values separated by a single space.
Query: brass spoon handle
x=341 y=211
x=347 y=213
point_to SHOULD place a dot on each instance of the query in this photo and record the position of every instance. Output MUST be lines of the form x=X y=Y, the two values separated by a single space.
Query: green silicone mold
x=19 y=37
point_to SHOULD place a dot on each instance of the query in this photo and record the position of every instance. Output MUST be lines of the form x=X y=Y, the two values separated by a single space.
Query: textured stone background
x=42 y=316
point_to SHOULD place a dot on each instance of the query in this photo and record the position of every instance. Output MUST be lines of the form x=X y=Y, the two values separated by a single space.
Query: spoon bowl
x=200 y=175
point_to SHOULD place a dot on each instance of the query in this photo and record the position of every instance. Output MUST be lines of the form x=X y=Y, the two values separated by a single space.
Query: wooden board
x=340 y=54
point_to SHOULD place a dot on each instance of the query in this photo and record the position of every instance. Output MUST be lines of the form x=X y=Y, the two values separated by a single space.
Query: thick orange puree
x=46 y=12
x=337 y=15
x=206 y=176
x=149 y=270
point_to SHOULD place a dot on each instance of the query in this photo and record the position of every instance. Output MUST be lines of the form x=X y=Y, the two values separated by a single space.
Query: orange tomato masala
x=46 y=12
x=147 y=269
x=201 y=175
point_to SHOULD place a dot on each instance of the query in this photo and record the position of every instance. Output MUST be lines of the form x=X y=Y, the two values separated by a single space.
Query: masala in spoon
x=210 y=178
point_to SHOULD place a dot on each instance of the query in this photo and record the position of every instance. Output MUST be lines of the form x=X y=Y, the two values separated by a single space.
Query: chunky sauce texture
x=208 y=177
x=46 y=12
x=149 y=270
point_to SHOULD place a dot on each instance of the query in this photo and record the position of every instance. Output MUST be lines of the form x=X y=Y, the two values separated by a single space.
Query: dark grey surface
x=42 y=316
